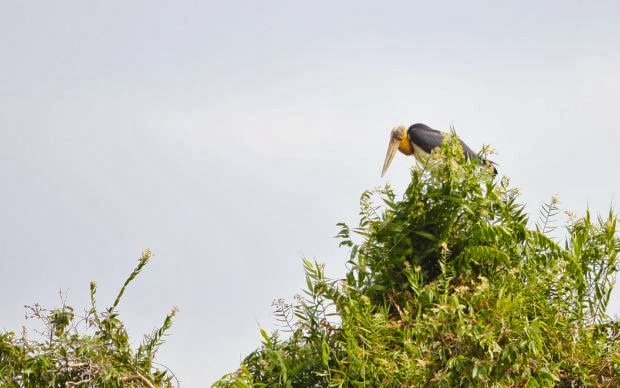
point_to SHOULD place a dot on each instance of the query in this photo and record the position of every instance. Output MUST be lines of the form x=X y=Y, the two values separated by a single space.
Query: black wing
x=428 y=138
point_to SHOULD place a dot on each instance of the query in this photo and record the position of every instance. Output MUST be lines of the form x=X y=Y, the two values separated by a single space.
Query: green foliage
x=451 y=286
x=92 y=350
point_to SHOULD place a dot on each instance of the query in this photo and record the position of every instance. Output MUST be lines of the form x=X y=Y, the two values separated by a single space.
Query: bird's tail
x=490 y=165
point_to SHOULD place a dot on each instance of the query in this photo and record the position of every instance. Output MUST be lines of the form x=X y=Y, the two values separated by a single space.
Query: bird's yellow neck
x=405 y=146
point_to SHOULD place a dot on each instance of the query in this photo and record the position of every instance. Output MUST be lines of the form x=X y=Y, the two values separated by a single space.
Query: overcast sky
x=231 y=137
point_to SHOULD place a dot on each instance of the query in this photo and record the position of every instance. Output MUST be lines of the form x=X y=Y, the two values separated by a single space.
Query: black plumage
x=427 y=138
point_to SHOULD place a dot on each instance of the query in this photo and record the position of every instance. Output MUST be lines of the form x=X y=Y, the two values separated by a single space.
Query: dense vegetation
x=451 y=285
x=89 y=350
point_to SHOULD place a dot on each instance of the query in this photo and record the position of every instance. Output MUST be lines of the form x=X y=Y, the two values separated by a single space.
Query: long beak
x=392 y=147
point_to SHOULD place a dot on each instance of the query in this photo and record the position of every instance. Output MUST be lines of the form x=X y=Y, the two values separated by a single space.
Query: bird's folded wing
x=428 y=138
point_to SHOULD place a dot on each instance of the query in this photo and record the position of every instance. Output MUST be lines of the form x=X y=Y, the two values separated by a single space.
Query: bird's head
x=398 y=141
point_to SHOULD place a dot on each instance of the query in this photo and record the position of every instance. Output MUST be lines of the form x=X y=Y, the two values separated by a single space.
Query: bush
x=92 y=350
x=451 y=285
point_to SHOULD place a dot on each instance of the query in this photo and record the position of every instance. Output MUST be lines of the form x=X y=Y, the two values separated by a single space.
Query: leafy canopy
x=451 y=285
x=84 y=351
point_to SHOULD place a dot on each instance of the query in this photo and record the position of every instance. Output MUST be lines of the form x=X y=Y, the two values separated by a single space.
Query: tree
x=84 y=351
x=451 y=286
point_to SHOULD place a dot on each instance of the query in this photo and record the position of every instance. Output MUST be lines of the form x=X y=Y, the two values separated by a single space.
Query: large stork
x=420 y=140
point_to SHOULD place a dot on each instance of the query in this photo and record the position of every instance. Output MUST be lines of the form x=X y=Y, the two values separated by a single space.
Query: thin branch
x=146 y=255
x=169 y=370
x=138 y=377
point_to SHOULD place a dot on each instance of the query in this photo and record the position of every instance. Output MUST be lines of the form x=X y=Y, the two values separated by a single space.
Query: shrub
x=83 y=351
x=451 y=285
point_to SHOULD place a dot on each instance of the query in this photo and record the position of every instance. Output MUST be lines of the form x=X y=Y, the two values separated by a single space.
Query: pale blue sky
x=231 y=137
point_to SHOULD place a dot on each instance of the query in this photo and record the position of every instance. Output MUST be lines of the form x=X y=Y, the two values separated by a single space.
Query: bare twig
x=138 y=377
x=77 y=383
x=169 y=370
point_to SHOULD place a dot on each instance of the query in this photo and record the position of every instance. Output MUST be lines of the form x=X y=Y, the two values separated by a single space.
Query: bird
x=420 y=140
